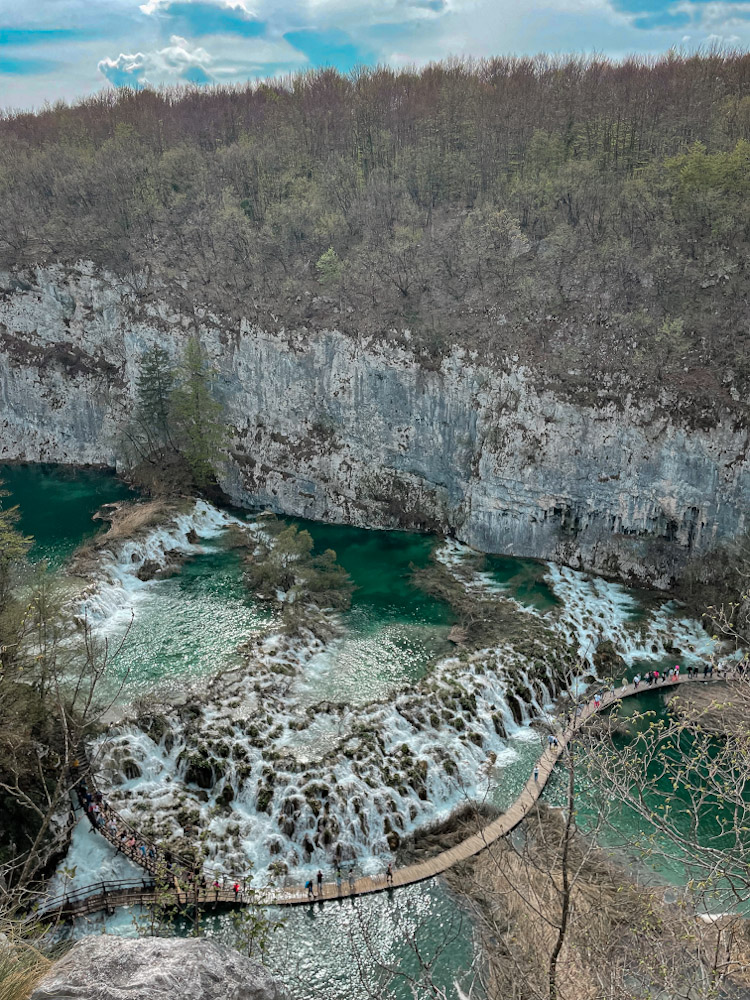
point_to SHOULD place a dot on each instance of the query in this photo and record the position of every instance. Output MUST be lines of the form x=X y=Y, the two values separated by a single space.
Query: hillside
x=587 y=217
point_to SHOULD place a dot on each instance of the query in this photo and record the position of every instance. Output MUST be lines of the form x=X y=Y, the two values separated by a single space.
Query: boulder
x=148 y=570
x=105 y=967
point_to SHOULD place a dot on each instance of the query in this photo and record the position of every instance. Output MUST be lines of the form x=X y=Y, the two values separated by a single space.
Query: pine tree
x=154 y=387
x=196 y=415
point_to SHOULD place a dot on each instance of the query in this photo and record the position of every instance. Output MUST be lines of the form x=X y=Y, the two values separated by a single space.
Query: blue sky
x=53 y=49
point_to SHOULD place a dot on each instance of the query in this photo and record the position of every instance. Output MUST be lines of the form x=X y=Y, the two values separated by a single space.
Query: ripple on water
x=186 y=626
x=371 y=659
x=337 y=951
x=57 y=504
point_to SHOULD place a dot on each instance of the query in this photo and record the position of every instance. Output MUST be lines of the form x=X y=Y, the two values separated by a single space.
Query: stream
x=385 y=664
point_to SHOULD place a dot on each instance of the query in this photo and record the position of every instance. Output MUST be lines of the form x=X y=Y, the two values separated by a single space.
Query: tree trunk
x=566 y=889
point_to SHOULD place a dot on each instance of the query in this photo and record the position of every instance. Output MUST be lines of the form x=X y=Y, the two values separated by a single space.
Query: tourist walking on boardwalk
x=309 y=887
x=597 y=701
x=389 y=874
x=339 y=879
x=536 y=772
x=636 y=681
x=705 y=673
x=319 y=877
x=351 y=880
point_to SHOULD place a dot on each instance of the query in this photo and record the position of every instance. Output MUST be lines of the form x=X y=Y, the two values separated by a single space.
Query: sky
x=66 y=49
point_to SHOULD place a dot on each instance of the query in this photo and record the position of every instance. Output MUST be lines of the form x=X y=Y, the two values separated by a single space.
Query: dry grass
x=127 y=520
x=623 y=940
x=131 y=519
x=21 y=968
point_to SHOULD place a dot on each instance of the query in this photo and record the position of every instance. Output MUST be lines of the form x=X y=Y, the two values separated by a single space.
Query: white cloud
x=175 y=61
x=126 y=70
x=155 y=6
x=178 y=55
x=182 y=61
x=719 y=18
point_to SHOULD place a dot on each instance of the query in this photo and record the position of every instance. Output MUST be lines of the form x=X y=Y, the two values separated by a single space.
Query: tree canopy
x=564 y=211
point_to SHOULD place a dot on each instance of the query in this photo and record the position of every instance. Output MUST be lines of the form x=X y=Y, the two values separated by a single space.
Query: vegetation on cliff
x=176 y=435
x=581 y=215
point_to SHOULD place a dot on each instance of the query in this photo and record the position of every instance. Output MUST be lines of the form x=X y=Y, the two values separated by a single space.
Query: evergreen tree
x=196 y=414
x=328 y=267
x=154 y=387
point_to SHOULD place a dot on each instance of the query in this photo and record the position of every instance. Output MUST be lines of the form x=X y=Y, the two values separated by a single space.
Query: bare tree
x=54 y=691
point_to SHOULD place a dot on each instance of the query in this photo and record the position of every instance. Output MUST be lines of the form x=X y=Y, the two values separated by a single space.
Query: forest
x=586 y=218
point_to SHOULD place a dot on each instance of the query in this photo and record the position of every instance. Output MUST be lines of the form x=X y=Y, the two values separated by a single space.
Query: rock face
x=363 y=433
x=105 y=967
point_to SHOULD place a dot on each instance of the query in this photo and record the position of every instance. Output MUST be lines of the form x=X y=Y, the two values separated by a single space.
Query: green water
x=393 y=630
x=190 y=624
x=57 y=504
x=349 y=950
x=620 y=829
x=186 y=626
x=357 y=949
x=524 y=579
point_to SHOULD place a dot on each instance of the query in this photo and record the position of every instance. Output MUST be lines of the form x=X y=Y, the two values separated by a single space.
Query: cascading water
x=354 y=740
x=286 y=769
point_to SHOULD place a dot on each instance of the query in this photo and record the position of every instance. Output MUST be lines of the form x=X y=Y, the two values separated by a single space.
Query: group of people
x=104 y=819
x=657 y=677
x=692 y=670
x=310 y=885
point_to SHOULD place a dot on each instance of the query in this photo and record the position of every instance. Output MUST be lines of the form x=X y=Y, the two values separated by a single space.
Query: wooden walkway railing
x=109 y=895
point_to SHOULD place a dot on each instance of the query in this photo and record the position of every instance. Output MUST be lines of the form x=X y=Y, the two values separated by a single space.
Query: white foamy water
x=305 y=779
x=306 y=767
x=168 y=631
x=593 y=609
x=90 y=860
x=117 y=589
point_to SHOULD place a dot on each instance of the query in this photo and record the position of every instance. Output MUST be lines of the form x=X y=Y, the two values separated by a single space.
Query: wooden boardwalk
x=110 y=895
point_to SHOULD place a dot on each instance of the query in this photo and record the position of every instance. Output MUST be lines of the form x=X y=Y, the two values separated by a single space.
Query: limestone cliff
x=363 y=432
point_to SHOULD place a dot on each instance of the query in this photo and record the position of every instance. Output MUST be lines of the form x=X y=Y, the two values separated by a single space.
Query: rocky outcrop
x=364 y=433
x=105 y=967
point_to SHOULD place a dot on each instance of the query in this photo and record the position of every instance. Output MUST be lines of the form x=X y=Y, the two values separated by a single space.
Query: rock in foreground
x=113 y=968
